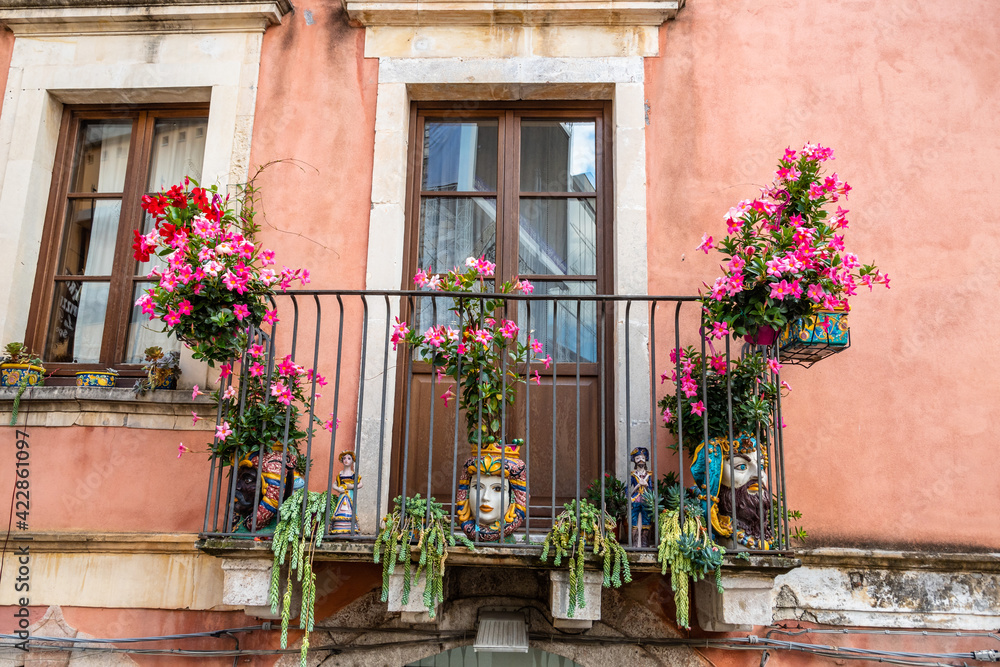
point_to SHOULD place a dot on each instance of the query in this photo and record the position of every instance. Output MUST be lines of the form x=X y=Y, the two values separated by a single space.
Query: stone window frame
x=204 y=53
x=404 y=80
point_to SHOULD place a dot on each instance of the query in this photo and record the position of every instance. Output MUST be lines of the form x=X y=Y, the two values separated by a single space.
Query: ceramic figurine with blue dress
x=348 y=482
x=639 y=482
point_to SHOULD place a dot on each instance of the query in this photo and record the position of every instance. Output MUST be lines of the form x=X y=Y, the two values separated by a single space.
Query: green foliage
x=798 y=532
x=430 y=529
x=569 y=538
x=296 y=537
x=18 y=353
x=615 y=497
x=690 y=554
x=753 y=394
x=158 y=369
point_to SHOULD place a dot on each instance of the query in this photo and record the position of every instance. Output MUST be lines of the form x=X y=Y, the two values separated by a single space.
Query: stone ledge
x=522 y=12
x=117 y=406
x=902 y=560
x=63 y=542
x=41 y=17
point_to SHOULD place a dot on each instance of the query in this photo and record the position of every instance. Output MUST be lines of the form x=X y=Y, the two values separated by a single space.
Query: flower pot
x=11 y=375
x=765 y=335
x=95 y=379
x=168 y=381
x=815 y=337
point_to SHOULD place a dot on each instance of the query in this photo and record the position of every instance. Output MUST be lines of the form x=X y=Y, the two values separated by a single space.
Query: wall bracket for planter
x=814 y=338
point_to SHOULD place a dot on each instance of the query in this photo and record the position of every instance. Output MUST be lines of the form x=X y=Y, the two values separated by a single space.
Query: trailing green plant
x=570 y=538
x=427 y=522
x=18 y=353
x=615 y=497
x=687 y=550
x=296 y=536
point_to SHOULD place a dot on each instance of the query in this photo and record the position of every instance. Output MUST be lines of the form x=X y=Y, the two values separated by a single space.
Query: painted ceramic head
x=492 y=486
x=640 y=454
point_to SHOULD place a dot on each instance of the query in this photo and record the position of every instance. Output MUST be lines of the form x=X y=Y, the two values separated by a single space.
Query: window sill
x=99 y=406
x=471 y=12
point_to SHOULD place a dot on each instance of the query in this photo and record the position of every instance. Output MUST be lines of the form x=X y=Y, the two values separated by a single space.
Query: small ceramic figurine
x=639 y=482
x=492 y=486
x=348 y=482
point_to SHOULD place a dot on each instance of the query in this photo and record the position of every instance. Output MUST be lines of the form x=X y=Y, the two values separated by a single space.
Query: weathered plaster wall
x=889 y=442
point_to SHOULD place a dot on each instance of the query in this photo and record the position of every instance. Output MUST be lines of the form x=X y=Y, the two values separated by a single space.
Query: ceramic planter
x=95 y=379
x=11 y=375
x=815 y=337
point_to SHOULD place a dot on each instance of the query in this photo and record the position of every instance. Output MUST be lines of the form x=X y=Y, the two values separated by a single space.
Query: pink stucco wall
x=890 y=442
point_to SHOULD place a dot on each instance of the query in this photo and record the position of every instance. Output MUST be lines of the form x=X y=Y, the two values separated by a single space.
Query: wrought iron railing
x=579 y=418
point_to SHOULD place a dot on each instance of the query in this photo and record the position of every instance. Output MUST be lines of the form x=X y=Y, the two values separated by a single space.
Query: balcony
x=580 y=417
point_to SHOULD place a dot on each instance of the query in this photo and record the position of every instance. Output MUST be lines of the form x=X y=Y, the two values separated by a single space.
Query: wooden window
x=82 y=314
x=528 y=185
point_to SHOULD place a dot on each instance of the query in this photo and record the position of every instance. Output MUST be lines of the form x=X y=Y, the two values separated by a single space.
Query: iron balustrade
x=624 y=339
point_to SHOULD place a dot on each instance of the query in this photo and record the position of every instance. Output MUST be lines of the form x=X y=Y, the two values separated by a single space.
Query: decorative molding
x=54 y=17
x=519 y=12
x=105 y=543
x=98 y=406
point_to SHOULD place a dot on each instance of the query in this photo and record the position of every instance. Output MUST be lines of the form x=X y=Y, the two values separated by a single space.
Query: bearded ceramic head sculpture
x=732 y=484
x=268 y=486
x=493 y=486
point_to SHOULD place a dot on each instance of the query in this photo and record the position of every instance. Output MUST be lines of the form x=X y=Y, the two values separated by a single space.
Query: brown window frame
x=508 y=187
x=119 y=307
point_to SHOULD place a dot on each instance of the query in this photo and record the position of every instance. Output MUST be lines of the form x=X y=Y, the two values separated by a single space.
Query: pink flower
x=537 y=379
x=287 y=366
x=485 y=267
x=267 y=257
x=707 y=243
x=172 y=317
x=256 y=369
x=525 y=286
x=785 y=386
x=399 y=331
x=225 y=370
x=182 y=450
x=547 y=361
x=698 y=408
x=195 y=392
x=781 y=290
x=509 y=330
x=815 y=293
x=241 y=312
x=461 y=349
x=773 y=365
x=421 y=277
x=447 y=396
x=229 y=393
x=536 y=346
x=222 y=431
x=719 y=330
x=270 y=317
x=434 y=336
x=194 y=418
x=667 y=415
x=434 y=283
x=256 y=350
x=329 y=425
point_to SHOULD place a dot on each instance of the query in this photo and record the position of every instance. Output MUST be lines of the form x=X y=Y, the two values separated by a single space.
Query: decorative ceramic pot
x=11 y=375
x=168 y=382
x=823 y=328
x=95 y=379
x=492 y=485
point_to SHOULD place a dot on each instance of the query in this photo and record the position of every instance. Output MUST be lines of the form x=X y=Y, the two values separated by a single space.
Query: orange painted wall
x=890 y=442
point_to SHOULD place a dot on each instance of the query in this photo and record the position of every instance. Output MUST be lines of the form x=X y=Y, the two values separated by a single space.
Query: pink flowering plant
x=483 y=352
x=255 y=410
x=217 y=281
x=751 y=379
x=784 y=253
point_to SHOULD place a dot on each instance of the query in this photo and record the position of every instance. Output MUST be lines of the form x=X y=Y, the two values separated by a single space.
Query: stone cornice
x=51 y=17
x=899 y=560
x=519 y=12
x=91 y=543
x=98 y=406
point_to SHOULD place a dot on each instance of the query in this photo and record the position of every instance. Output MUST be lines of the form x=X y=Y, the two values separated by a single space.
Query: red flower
x=140 y=246
x=201 y=200
x=155 y=204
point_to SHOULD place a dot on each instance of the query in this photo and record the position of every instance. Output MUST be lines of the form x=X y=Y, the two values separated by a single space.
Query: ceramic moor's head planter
x=492 y=486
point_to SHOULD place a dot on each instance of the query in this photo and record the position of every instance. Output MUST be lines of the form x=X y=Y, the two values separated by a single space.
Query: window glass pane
x=143 y=333
x=557 y=156
x=178 y=151
x=101 y=156
x=559 y=337
x=454 y=228
x=77 y=323
x=558 y=236
x=88 y=246
x=460 y=155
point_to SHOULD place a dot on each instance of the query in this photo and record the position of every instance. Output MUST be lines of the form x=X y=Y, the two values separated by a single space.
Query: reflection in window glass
x=88 y=247
x=558 y=236
x=77 y=323
x=101 y=156
x=460 y=156
x=558 y=156
x=455 y=228
x=173 y=158
x=555 y=323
